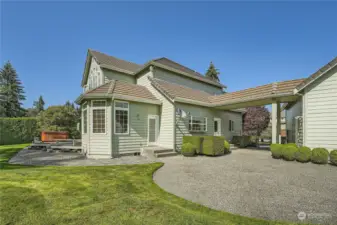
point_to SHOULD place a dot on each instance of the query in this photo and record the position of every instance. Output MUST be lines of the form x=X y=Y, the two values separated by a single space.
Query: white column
x=274 y=122
x=278 y=132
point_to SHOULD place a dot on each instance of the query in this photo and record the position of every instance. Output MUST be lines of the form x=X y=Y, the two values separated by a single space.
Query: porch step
x=166 y=154
x=157 y=151
x=232 y=147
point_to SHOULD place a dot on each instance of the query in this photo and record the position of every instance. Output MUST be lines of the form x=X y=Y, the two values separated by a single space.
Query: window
x=85 y=118
x=215 y=126
x=98 y=116
x=198 y=124
x=121 y=117
x=231 y=125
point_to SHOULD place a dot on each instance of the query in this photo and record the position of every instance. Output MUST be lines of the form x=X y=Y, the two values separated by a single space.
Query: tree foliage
x=212 y=72
x=12 y=93
x=39 y=104
x=60 y=118
x=255 y=120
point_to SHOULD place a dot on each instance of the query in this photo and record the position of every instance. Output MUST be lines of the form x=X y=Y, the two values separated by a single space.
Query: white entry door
x=153 y=129
x=217 y=127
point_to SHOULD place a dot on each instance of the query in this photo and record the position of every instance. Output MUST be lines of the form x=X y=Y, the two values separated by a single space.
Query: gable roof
x=121 y=89
x=110 y=62
x=321 y=71
x=187 y=71
x=178 y=92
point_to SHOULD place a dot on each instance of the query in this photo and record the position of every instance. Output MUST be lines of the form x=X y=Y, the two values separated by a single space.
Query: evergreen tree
x=212 y=72
x=39 y=104
x=12 y=92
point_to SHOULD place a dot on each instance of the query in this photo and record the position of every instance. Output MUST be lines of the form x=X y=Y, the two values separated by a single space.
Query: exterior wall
x=182 y=80
x=182 y=123
x=294 y=111
x=99 y=145
x=114 y=75
x=85 y=136
x=94 y=70
x=320 y=112
x=138 y=128
x=166 y=118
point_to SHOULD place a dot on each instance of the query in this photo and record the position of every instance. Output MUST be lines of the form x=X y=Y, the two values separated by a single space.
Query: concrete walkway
x=253 y=184
x=39 y=157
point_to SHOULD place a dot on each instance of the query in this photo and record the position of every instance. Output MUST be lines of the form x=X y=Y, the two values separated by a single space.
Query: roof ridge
x=91 y=90
x=112 y=87
x=95 y=51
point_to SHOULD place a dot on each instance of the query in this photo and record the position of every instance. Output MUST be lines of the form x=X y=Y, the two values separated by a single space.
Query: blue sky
x=250 y=43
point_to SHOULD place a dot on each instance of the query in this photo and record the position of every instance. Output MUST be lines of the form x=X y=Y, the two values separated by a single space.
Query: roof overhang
x=84 y=97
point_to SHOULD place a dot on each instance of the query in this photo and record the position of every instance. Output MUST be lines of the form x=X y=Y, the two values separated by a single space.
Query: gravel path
x=251 y=183
x=39 y=157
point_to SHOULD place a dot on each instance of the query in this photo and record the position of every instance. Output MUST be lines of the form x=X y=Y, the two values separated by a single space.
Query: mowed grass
x=96 y=195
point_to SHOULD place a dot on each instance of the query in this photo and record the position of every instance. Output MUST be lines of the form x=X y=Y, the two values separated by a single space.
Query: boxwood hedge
x=188 y=149
x=333 y=157
x=276 y=150
x=320 y=156
x=288 y=152
x=303 y=154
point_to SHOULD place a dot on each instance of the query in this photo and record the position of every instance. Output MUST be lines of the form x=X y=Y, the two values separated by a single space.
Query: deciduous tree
x=255 y=120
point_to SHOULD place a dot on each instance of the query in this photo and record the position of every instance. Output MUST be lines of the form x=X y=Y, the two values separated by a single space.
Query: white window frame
x=231 y=126
x=124 y=109
x=84 y=108
x=92 y=116
x=201 y=131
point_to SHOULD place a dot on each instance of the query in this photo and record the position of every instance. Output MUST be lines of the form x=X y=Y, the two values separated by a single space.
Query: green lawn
x=96 y=195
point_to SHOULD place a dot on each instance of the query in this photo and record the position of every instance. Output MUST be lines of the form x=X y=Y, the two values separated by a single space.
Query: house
x=127 y=107
x=312 y=119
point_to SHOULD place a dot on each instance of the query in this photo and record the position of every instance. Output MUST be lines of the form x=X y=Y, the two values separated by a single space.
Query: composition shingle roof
x=274 y=89
x=122 y=88
x=315 y=75
x=268 y=90
x=113 y=62
x=167 y=62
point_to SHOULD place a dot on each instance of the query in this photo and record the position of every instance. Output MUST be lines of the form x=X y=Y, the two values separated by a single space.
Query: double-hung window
x=198 y=124
x=231 y=125
x=85 y=117
x=98 y=116
x=121 y=117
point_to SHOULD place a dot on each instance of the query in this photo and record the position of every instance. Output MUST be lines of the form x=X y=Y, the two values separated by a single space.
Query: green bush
x=320 y=156
x=288 y=152
x=333 y=157
x=188 y=149
x=194 y=140
x=303 y=154
x=242 y=141
x=276 y=150
x=17 y=130
x=226 y=147
x=292 y=145
x=213 y=145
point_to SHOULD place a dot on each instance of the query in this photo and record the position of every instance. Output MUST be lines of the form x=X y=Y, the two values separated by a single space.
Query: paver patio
x=251 y=183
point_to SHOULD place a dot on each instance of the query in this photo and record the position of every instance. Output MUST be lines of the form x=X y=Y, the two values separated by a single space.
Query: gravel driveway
x=251 y=183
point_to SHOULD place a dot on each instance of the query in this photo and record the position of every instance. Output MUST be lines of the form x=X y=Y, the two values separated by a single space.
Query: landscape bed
x=96 y=195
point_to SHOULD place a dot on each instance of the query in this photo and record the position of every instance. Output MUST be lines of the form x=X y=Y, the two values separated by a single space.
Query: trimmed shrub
x=333 y=157
x=320 y=156
x=276 y=150
x=292 y=145
x=17 y=130
x=303 y=154
x=188 y=149
x=288 y=152
x=226 y=147
x=194 y=140
x=242 y=141
x=213 y=145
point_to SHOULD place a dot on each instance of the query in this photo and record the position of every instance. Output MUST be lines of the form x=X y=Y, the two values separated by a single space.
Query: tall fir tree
x=12 y=92
x=212 y=72
x=39 y=104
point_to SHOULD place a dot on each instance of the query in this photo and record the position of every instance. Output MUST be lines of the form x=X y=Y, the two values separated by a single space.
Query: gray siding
x=188 y=82
x=166 y=123
x=95 y=69
x=138 y=128
x=320 y=113
x=114 y=75
x=192 y=110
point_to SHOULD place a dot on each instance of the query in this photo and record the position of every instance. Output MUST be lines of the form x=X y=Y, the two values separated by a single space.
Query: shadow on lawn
x=26 y=202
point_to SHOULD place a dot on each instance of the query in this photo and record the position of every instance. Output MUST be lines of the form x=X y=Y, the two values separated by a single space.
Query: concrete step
x=162 y=150
x=166 y=154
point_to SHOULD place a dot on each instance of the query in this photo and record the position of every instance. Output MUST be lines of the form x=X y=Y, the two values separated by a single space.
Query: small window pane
x=121 y=120
x=98 y=103
x=98 y=120
x=215 y=126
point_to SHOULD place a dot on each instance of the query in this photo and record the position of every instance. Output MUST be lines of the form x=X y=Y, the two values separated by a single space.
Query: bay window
x=98 y=116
